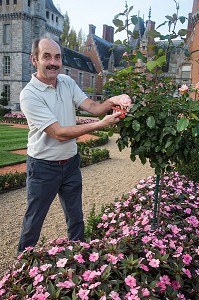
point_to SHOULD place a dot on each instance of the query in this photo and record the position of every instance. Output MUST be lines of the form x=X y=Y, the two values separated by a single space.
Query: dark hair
x=35 y=45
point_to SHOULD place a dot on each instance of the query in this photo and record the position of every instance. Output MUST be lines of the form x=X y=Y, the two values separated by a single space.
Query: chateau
x=21 y=21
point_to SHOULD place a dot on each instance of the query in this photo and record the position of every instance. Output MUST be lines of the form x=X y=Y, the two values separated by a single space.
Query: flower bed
x=124 y=259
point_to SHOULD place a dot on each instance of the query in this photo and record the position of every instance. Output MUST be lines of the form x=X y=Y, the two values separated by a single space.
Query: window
x=47 y=15
x=6 y=34
x=7 y=2
x=57 y=19
x=89 y=48
x=52 y=17
x=90 y=65
x=6 y=65
x=80 y=80
x=28 y=3
x=15 y=2
x=6 y=90
x=78 y=61
x=186 y=72
x=92 y=81
x=0 y=2
x=67 y=71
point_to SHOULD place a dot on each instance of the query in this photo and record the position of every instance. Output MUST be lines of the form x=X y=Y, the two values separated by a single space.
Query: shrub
x=128 y=260
x=12 y=181
x=190 y=170
x=4 y=111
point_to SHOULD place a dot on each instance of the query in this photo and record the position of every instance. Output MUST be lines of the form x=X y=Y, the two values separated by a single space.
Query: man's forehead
x=48 y=46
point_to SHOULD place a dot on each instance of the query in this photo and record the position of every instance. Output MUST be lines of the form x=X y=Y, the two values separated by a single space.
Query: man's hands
x=109 y=120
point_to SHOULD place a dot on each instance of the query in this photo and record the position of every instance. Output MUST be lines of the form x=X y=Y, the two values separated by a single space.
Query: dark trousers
x=44 y=181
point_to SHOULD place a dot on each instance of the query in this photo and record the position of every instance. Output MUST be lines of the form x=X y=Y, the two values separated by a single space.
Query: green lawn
x=12 y=138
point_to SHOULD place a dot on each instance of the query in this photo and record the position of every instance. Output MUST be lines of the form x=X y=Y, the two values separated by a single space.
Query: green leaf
x=154 y=33
x=165 y=22
x=118 y=23
x=182 y=32
x=182 y=19
x=134 y=19
x=170 y=18
x=150 y=122
x=151 y=65
x=182 y=124
x=136 y=125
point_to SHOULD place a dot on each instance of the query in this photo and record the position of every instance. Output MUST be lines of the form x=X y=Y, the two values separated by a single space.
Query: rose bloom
x=125 y=54
x=125 y=102
x=183 y=89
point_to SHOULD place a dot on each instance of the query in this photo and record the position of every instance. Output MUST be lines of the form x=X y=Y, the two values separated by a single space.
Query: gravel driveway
x=102 y=183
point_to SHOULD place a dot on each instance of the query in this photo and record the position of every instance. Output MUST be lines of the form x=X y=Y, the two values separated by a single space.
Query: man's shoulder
x=65 y=78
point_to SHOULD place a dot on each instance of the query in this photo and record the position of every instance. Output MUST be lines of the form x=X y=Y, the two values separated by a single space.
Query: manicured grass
x=12 y=138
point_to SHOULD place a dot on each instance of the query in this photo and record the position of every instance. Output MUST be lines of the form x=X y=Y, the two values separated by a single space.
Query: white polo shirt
x=44 y=105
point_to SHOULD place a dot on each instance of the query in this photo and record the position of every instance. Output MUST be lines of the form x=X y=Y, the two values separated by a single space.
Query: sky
x=98 y=12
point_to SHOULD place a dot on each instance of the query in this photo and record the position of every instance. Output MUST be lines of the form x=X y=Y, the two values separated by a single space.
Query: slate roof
x=105 y=49
x=50 y=6
x=77 y=60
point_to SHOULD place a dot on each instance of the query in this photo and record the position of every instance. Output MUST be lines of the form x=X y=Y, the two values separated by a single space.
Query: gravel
x=102 y=183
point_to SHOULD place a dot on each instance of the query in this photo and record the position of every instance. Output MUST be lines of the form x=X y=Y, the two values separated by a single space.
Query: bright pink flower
x=2 y=291
x=145 y=292
x=187 y=259
x=175 y=285
x=144 y=267
x=40 y=296
x=187 y=272
x=66 y=284
x=165 y=279
x=33 y=272
x=130 y=281
x=79 y=258
x=55 y=250
x=90 y=275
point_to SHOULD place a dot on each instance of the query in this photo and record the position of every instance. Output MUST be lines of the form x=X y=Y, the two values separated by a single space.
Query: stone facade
x=20 y=23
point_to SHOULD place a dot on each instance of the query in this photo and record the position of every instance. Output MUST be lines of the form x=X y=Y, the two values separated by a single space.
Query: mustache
x=52 y=67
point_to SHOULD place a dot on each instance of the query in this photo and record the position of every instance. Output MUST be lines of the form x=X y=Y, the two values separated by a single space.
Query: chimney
x=108 y=32
x=189 y=26
x=92 y=29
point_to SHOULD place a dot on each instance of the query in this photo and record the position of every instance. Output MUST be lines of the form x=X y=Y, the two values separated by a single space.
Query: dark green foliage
x=12 y=181
x=4 y=111
x=190 y=170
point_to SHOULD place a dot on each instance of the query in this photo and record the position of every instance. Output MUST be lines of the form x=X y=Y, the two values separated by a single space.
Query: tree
x=70 y=38
x=3 y=99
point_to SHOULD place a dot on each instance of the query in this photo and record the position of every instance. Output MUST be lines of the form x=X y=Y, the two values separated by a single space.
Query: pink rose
x=125 y=102
x=183 y=89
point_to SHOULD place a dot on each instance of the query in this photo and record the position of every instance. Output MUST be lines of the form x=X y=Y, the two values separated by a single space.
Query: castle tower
x=21 y=21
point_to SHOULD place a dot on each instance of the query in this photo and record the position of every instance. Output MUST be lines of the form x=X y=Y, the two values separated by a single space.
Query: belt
x=60 y=162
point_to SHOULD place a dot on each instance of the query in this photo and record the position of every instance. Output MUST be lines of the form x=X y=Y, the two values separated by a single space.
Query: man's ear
x=34 y=61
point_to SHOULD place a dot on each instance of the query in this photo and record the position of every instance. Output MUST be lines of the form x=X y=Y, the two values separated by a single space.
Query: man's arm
x=70 y=132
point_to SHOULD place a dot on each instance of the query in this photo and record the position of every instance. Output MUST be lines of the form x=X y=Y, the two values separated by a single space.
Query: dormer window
x=47 y=15
x=57 y=19
x=52 y=17
x=90 y=65
x=78 y=61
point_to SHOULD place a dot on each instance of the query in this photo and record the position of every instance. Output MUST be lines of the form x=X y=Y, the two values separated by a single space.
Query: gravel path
x=102 y=183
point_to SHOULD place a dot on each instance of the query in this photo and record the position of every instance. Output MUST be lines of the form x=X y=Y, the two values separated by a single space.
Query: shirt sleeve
x=35 y=111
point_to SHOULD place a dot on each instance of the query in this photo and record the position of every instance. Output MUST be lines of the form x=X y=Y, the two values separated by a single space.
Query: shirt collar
x=41 y=85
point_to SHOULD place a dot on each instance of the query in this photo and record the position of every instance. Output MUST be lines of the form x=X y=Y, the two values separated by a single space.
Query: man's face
x=49 y=61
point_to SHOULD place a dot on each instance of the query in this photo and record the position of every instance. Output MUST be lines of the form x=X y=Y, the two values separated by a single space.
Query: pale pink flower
x=94 y=256
x=55 y=250
x=62 y=262
x=154 y=263
x=125 y=54
x=83 y=294
x=197 y=86
x=45 y=267
x=125 y=102
x=114 y=296
x=111 y=79
x=90 y=275
x=94 y=285
x=38 y=278
x=183 y=89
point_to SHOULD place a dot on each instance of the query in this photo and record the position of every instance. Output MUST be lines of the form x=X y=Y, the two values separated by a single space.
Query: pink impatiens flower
x=61 y=262
x=154 y=263
x=130 y=281
x=186 y=259
x=79 y=258
x=83 y=294
x=94 y=257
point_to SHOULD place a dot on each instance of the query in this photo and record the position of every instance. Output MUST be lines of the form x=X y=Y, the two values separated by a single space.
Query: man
x=48 y=102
